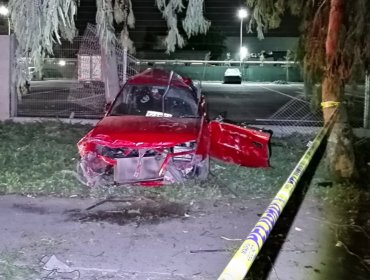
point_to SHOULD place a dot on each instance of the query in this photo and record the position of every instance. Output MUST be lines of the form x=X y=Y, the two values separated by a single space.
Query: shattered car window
x=151 y=101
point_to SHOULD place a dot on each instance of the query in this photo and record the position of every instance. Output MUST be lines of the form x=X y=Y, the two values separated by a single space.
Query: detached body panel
x=239 y=145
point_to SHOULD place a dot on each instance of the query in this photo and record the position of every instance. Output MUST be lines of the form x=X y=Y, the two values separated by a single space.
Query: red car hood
x=141 y=131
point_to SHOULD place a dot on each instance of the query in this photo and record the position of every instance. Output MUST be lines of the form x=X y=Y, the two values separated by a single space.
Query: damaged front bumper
x=148 y=167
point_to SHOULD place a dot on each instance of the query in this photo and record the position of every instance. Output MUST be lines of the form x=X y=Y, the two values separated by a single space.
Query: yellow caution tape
x=328 y=104
x=243 y=259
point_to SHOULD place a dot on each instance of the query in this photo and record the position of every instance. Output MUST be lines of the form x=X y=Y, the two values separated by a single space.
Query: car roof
x=232 y=71
x=158 y=77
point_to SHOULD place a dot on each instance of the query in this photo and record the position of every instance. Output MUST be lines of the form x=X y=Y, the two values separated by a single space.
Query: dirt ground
x=135 y=239
x=144 y=238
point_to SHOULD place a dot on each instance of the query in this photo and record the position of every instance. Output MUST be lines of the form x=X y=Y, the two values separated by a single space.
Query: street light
x=243 y=53
x=62 y=62
x=4 y=11
x=242 y=14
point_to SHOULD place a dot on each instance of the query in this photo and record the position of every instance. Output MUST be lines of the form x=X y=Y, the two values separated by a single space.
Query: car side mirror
x=107 y=106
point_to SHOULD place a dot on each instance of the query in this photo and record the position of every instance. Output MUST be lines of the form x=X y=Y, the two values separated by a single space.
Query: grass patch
x=9 y=269
x=286 y=152
x=40 y=159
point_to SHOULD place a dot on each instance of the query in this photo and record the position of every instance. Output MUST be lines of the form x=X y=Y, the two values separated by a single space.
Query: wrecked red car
x=157 y=131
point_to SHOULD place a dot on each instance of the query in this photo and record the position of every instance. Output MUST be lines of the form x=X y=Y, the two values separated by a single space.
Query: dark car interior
x=139 y=99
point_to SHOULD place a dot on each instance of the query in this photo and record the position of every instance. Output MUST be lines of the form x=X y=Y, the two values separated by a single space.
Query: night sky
x=222 y=14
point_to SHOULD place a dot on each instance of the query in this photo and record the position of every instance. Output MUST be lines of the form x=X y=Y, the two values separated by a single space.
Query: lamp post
x=242 y=14
x=4 y=11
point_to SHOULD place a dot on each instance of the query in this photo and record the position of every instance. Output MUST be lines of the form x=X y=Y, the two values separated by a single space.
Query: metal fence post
x=367 y=101
x=287 y=73
x=124 y=72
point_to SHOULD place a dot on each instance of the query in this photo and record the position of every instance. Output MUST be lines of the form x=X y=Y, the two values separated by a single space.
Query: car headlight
x=122 y=152
x=110 y=152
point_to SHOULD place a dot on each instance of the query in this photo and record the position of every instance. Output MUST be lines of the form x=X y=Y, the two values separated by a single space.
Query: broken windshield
x=147 y=100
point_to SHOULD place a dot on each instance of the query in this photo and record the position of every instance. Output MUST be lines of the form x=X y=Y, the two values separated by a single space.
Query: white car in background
x=233 y=76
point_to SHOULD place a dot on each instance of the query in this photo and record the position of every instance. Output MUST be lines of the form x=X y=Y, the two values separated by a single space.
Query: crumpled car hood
x=144 y=132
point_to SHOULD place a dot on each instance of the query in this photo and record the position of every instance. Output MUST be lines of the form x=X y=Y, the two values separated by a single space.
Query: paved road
x=249 y=101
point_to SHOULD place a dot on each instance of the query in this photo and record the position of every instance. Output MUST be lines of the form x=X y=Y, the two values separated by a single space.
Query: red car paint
x=145 y=132
x=239 y=145
x=161 y=135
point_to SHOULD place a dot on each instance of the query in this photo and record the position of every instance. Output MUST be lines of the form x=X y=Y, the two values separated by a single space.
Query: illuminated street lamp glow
x=4 y=11
x=243 y=53
x=242 y=13
x=62 y=62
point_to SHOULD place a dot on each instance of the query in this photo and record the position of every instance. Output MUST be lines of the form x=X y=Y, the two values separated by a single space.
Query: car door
x=244 y=146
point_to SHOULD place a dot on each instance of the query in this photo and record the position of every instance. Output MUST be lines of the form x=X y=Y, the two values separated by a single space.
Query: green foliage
x=193 y=23
x=38 y=25
x=104 y=25
x=11 y=271
x=108 y=13
x=213 y=41
x=355 y=38
x=352 y=57
x=267 y=14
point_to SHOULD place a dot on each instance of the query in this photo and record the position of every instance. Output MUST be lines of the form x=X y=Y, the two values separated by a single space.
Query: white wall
x=4 y=77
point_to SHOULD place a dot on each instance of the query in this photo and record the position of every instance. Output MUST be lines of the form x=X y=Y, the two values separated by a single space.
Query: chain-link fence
x=296 y=116
x=71 y=86
x=357 y=103
x=300 y=115
x=64 y=88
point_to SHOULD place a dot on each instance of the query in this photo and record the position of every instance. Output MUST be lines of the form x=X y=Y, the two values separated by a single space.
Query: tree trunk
x=110 y=75
x=340 y=153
